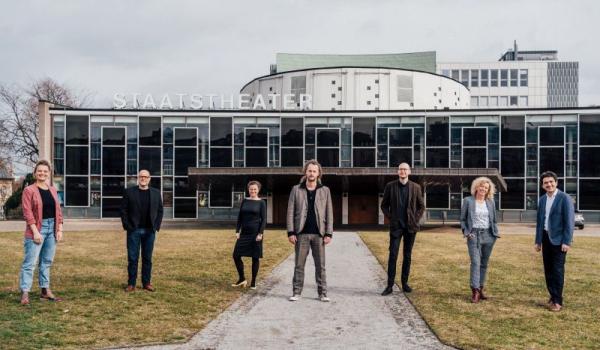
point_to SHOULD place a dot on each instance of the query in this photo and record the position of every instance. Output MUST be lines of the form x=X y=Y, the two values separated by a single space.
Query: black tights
x=239 y=265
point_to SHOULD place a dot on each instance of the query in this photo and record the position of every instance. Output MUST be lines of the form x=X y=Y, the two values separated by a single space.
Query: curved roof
x=341 y=67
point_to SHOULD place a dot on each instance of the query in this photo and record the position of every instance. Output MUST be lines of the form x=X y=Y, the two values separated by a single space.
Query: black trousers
x=409 y=241
x=554 y=268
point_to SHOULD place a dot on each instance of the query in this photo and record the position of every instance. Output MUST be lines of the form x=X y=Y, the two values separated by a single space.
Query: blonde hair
x=305 y=167
x=42 y=162
x=480 y=180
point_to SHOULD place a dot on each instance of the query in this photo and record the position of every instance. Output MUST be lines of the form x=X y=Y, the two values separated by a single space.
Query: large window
x=113 y=169
x=77 y=130
x=256 y=147
x=292 y=144
x=221 y=146
x=186 y=150
x=150 y=159
x=77 y=191
x=494 y=78
x=514 y=77
x=514 y=198
x=150 y=131
x=328 y=146
x=400 y=146
x=551 y=150
x=512 y=162
x=363 y=142
x=513 y=131
x=589 y=192
x=503 y=77
x=589 y=129
x=589 y=162
x=484 y=78
x=437 y=158
x=220 y=195
x=437 y=197
x=437 y=131
x=474 y=147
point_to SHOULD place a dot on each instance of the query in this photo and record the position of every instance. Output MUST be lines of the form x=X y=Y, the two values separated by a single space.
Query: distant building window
x=339 y=103
x=368 y=87
x=376 y=95
x=483 y=101
x=523 y=101
x=456 y=74
x=514 y=101
x=435 y=94
x=439 y=88
x=464 y=77
x=404 y=88
x=475 y=78
x=333 y=82
x=474 y=101
x=503 y=102
x=514 y=77
x=368 y=103
x=332 y=95
x=298 y=87
x=339 y=88
x=494 y=78
x=484 y=77
x=504 y=77
x=376 y=81
x=270 y=88
x=493 y=101
x=524 y=77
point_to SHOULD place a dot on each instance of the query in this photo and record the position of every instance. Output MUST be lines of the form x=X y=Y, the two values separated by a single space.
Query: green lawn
x=192 y=273
x=514 y=317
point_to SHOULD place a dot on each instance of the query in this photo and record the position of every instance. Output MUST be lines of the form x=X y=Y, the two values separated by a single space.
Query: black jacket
x=130 y=209
x=414 y=208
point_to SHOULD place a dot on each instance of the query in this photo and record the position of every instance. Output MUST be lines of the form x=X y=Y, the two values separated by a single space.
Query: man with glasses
x=403 y=206
x=141 y=216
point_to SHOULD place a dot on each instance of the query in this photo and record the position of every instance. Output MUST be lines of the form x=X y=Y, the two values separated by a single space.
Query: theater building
x=202 y=159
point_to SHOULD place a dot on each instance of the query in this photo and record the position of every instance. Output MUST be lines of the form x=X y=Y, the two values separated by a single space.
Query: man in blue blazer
x=554 y=236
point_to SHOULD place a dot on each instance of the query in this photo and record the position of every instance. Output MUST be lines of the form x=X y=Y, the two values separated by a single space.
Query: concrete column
x=381 y=217
x=345 y=208
x=45 y=131
x=269 y=208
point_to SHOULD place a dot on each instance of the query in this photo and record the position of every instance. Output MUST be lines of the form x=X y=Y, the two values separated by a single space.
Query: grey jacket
x=467 y=211
x=298 y=208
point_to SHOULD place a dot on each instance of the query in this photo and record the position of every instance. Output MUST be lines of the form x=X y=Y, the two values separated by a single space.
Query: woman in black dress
x=251 y=223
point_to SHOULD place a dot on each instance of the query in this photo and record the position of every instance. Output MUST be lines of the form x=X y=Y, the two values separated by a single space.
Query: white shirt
x=481 y=219
x=549 y=201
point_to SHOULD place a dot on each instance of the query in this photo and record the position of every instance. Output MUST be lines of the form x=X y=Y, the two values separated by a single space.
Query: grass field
x=514 y=317
x=192 y=273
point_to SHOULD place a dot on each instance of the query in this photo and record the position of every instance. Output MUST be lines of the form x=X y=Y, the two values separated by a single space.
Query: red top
x=31 y=201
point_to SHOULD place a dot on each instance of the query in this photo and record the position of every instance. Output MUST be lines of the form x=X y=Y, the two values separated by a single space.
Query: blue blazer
x=561 y=221
x=467 y=211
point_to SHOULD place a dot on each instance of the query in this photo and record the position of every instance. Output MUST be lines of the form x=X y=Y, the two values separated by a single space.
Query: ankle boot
x=476 y=295
x=481 y=295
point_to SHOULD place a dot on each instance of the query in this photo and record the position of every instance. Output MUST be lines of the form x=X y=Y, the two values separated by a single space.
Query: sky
x=169 y=47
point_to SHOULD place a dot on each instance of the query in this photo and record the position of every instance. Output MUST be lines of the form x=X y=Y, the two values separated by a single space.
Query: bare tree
x=19 y=120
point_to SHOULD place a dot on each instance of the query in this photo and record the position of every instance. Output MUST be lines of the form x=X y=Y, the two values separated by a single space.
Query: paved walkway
x=357 y=317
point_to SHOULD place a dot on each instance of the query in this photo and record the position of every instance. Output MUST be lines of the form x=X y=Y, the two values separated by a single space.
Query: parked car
x=579 y=221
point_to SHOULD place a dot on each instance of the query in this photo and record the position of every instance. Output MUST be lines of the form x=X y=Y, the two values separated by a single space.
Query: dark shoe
x=476 y=296
x=149 y=287
x=481 y=295
x=406 y=288
x=50 y=297
x=387 y=291
x=25 y=298
x=130 y=289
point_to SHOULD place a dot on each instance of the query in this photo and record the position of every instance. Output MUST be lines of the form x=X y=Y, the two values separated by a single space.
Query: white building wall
x=536 y=91
x=364 y=89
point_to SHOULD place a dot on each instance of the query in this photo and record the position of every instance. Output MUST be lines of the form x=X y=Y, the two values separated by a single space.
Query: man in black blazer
x=403 y=205
x=141 y=216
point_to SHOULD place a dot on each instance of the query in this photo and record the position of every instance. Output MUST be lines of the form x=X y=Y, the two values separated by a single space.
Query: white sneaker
x=324 y=298
x=295 y=297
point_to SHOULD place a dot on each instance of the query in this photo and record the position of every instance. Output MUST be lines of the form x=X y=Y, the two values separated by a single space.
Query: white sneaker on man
x=324 y=298
x=295 y=297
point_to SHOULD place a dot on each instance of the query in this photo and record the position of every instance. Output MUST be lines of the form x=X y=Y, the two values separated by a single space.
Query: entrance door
x=362 y=209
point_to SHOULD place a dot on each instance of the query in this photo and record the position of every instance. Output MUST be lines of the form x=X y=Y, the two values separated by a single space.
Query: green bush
x=14 y=201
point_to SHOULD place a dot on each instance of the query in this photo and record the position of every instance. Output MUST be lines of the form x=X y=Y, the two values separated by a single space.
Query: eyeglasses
x=144 y=177
x=403 y=169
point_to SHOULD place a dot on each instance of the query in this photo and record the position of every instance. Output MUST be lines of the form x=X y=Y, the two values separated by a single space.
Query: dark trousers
x=554 y=268
x=143 y=238
x=409 y=241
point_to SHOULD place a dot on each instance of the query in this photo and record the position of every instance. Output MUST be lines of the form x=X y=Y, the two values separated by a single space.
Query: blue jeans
x=143 y=238
x=43 y=252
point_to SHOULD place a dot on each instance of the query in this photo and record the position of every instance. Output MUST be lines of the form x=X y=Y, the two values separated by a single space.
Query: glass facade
x=97 y=156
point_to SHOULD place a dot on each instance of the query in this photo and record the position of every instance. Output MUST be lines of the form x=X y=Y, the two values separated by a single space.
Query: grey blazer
x=298 y=208
x=467 y=211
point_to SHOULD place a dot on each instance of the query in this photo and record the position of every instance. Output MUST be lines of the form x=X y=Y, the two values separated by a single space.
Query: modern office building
x=520 y=79
x=202 y=159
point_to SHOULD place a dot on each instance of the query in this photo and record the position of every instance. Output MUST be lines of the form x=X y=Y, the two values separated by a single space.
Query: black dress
x=252 y=220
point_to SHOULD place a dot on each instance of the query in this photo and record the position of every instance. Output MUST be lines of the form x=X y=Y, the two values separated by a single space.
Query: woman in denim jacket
x=43 y=217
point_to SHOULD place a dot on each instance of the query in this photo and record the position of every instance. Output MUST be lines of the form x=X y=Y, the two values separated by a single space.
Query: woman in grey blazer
x=478 y=223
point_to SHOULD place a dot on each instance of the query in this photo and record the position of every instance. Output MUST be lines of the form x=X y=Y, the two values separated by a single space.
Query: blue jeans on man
x=38 y=254
x=136 y=239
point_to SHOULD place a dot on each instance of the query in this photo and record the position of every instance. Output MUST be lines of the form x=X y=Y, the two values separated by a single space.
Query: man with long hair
x=310 y=227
